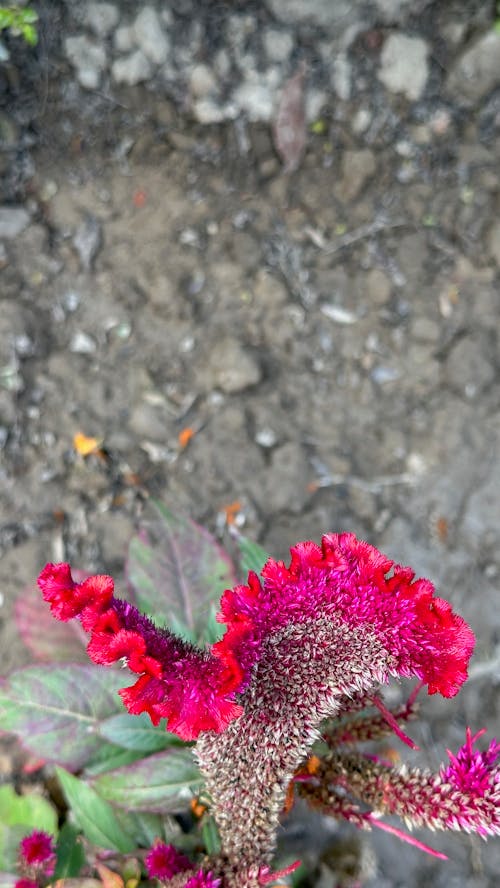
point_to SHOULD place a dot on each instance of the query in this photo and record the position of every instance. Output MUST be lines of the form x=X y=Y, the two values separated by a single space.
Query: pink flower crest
x=345 y=580
x=37 y=852
x=165 y=861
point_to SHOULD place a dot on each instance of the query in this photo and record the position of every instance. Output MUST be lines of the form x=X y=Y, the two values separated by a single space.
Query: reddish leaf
x=289 y=129
x=48 y=639
x=177 y=572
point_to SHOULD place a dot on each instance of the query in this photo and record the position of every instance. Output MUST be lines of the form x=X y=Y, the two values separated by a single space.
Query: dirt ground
x=328 y=337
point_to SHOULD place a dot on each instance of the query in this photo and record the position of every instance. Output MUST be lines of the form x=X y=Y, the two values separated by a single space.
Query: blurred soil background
x=296 y=341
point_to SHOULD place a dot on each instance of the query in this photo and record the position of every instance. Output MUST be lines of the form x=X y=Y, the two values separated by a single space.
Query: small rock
x=284 y=484
x=9 y=131
x=468 y=367
x=278 y=45
x=341 y=77
x=335 y=16
x=357 y=167
x=378 y=287
x=361 y=121
x=202 y=82
x=150 y=36
x=266 y=437
x=256 y=99
x=338 y=315
x=209 y=110
x=392 y=10
x=88 y=241
x=404 y=66
x=134 y=68
x=231 y=367
x=493 y=242
x=88 y=58
x=82 y=344
x=123 y=39
x=101 y=18
x=13 y=220
x=478 y=70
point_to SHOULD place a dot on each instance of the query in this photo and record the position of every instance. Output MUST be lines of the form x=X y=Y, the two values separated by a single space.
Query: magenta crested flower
x=25 y=883
x=165 y=861
x=202 y=880
x=37 y=854
x=303 y=643
x=347 y=580
x=191 y=688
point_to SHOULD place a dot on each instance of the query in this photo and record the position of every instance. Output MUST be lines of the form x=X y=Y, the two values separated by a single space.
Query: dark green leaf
x=137 y=733
x=93 y=814
x=56 y=710
x=70 y=853
x=177 y=571
x=162 y=783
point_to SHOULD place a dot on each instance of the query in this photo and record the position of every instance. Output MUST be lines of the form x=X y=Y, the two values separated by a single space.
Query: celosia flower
x=298 y=647
x=191 y=688
x=203 y=880
x=37 y=853
x=347 y=579
x=165 y=861
x=25 y=883
x=465 y=795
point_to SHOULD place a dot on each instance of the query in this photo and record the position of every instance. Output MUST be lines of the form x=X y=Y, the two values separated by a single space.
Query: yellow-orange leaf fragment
x=109 y=878
x=185 y=436
x=85 y=445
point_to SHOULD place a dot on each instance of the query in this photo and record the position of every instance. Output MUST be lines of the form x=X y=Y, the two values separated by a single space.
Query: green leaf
x=20 y=815
x=70 y=853
x=252 y=556
x=93 y=814
x=177 y=571
x=210 y=835
x=136 y=732
x=145 y=827
x=163 y=783
x=56 y=710
x=109 y=757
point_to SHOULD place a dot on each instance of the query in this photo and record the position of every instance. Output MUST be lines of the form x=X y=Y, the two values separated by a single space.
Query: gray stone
x=468 y=367
x=284 y=484
x=151 y=37
x=256 y=99
x=134 y=68
x=277 y=44
x=202 y=82
x=87 y=241
x=123 y=39
x=13 y=220
x=393 y=10
x=357 y=167
x=378 y=287
x=88 y=58
x=102 y=18
x=341 y=73
x=231 y=367
x=493 y=241
x=335 y=15
x=478 y=70
x=404 y=66
x=82 y=344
